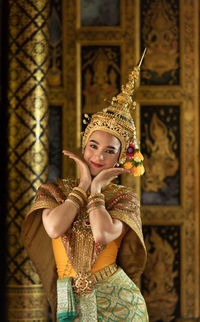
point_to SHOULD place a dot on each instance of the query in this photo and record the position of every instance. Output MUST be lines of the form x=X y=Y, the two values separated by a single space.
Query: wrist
x=84 y=186
x=95 y=188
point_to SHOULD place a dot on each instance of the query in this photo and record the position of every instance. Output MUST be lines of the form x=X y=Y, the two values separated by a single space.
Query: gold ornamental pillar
x=27 y=148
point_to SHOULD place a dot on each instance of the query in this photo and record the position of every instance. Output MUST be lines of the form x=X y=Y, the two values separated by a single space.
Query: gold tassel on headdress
x=117 y=120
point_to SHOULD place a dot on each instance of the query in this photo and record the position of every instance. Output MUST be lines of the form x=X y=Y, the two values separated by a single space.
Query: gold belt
x=84 y=283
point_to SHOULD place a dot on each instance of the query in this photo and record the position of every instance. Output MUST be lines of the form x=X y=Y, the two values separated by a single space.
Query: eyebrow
x=94 y=141
x=109 y=146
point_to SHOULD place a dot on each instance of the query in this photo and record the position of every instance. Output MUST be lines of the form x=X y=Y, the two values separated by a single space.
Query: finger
x=68 y=153
x=80 y=163
x=113 y=178
x=72 y=155
x=122 y=170
x=116 y=171
x=116 y=175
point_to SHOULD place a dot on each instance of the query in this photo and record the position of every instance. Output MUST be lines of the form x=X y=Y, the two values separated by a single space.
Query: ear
x=83 y=150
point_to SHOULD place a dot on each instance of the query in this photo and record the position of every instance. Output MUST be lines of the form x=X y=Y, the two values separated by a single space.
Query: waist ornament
x=84 y=283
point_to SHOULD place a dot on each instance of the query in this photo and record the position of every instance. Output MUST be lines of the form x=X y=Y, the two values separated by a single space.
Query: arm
x=58 y=220
x=104 y=228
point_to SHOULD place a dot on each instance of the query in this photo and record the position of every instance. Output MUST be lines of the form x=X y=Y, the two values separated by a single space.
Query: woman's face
x=101 y=152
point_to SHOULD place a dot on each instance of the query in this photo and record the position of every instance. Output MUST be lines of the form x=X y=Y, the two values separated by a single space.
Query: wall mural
x=161 y=149
x=55 y=45
x=107 y=52
x=100 y=13
x=160 y=34
x=160 y=283
x=100 y=76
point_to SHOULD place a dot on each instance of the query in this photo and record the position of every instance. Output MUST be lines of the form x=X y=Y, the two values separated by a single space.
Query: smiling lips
x=96 y=165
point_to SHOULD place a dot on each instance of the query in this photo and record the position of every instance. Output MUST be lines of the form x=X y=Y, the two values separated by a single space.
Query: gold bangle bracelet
x=93 y=208
x=96 y=204
x=81 y=191
x=80 y=195
x=95 y=200
x=75 y=199
x=74 y=203
x=96 y=195
x=75 y=194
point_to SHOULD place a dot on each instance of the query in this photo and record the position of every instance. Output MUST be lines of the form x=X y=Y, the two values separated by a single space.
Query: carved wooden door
x=94 y=44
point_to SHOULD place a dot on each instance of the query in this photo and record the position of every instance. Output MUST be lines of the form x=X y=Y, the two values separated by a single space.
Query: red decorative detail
x=115 y=200
x=40 y=195
x=130 y=151
x=83 y=283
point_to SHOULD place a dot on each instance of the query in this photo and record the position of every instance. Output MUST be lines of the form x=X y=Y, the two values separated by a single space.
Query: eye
x=110 y=151
x=93 y=146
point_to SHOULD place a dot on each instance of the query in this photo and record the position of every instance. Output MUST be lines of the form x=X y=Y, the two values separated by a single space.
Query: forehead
x=104 y=138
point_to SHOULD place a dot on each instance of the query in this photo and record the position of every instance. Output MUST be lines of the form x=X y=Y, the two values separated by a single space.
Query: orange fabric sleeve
x=64 y=268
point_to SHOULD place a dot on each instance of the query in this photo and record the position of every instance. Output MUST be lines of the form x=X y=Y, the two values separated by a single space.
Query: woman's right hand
x=85 y=176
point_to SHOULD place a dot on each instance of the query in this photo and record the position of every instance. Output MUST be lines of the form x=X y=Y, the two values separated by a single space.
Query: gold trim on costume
x=84 y=283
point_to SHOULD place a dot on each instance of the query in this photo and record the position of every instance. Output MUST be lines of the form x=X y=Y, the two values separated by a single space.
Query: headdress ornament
x=117 y=120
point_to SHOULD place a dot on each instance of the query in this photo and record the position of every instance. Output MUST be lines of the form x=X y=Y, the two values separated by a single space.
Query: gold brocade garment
x=121 y=204
x=79 y=244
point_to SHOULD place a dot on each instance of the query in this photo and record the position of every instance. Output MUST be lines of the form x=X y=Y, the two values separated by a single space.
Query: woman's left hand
x=105 y=177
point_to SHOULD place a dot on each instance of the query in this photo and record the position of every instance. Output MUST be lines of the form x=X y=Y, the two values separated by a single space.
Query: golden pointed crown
x=116 y=118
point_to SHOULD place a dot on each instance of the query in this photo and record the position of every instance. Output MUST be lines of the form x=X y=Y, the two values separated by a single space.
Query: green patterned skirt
x=116 y=298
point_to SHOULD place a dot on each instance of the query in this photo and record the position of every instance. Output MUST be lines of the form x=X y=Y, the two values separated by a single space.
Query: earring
x=117 y=165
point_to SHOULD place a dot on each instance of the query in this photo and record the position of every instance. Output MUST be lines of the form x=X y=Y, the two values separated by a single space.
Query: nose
x=100 y=155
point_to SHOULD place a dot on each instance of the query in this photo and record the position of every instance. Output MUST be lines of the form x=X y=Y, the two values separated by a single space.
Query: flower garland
x=134 y=161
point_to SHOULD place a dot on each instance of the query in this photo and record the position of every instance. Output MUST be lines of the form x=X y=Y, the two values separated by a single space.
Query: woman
x=86 y=233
